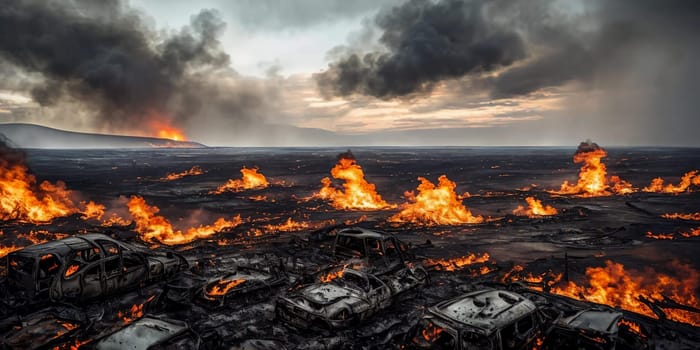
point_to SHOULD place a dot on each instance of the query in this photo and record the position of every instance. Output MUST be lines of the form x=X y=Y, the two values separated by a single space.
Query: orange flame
x=592 y=179
x=4 y=250
x=358 y=194
x=694 y=232
x=288 y=226
x=21 y=198
x=93 y=210
x=690 y=216
x=613 y=285
x=164 y=129
x=134 y=313
x=223 y=286
x=633 y=326
x=325 y=278
x=251 y=180
x=72 y=270
x=458 y=263
x=436 y=205
x=535 y=208
x=194 y=171
x=431 y=332
x=688 y=179
x=154 y=227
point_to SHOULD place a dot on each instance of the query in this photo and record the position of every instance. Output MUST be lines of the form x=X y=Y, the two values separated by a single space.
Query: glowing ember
x=223 y=286
x=154 y=227
x=93 y=210
x=613 y=285
x=72 y=270
x=134 y=313
x=431 y=332
x=593 y=181
x=688 y=179
x=694 y=232
x=357 y=193
x=327 y=277
x=535 y=208
x=115 y=220
x=194 y=171
x=288 y=226
x=458 y=263
x=691 y=216
x=251 y=179
x=545 y=279
x=436 y=205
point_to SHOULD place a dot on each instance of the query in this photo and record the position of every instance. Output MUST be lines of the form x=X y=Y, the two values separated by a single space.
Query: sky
x=363 y=72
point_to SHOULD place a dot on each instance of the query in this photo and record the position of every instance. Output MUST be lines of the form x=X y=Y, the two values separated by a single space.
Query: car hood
x=327 y=293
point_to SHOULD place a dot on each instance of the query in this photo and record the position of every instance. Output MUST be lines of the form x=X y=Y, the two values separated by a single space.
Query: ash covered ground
x=592 y=232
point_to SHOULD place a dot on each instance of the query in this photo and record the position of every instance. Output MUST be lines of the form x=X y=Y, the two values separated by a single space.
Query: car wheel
x=422 y=277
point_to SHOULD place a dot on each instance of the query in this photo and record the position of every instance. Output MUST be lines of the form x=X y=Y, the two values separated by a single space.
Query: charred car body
x=484 y=319
x=152 y=333
x=242 y=286
x=342 y=300
x=86 y=267
x=380 y=252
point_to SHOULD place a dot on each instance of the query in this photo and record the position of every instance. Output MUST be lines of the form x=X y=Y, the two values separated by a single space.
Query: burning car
x=44 y=329
x=595 y=329
x=483 y=319
x=152 y=333
x=244 y=284
x=86 y=267
x=345 y=298
x=380 y=251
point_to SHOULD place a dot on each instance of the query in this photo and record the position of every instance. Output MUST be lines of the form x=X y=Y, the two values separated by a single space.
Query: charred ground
x=590 y=231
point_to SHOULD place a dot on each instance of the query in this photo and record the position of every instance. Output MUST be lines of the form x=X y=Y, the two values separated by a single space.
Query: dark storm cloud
x=427 y=42
x=105 y=55
x=552 y=42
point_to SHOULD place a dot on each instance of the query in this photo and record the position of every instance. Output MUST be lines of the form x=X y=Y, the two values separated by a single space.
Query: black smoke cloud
x=106 y=56
x=531 y=44
x=427 y=42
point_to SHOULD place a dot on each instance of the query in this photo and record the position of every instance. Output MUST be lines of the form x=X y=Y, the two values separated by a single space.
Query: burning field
x=238 y=231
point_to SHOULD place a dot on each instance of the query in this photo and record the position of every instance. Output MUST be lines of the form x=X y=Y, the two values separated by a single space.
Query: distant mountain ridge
x=37 y=136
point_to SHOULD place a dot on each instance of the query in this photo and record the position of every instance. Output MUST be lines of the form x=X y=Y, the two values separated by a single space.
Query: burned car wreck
x=85 y=267
x=341 y=299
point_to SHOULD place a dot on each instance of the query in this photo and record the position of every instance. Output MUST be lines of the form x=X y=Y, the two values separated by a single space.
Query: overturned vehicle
x=86 y=267
x=342 y=298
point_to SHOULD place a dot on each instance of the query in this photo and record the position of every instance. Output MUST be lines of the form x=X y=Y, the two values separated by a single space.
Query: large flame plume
x=193 y=171
x=436 y=205
x=535 y=208
x=357 y=193
x=251 y=179
x=592 y=179
x=161 y=128
x=616 y=286
x=152 y=227
x=689 y=179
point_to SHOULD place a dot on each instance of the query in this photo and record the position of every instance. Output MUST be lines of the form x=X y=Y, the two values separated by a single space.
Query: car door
x=379 y=294
x=115 y=279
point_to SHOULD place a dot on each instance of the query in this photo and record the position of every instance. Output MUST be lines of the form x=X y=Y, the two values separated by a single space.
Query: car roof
x=142 y=333
x=485 y=310
x=604 y=321
x=360 y=232
x=63 y=247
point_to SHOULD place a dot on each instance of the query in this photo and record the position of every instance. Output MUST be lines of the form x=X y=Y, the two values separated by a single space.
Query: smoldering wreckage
x=348 y=285
x=92 y=291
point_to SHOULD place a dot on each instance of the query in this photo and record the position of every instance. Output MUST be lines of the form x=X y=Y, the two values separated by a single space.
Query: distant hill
x=37 y=136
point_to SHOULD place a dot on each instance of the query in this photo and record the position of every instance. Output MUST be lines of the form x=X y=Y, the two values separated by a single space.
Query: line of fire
x=391 y=249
